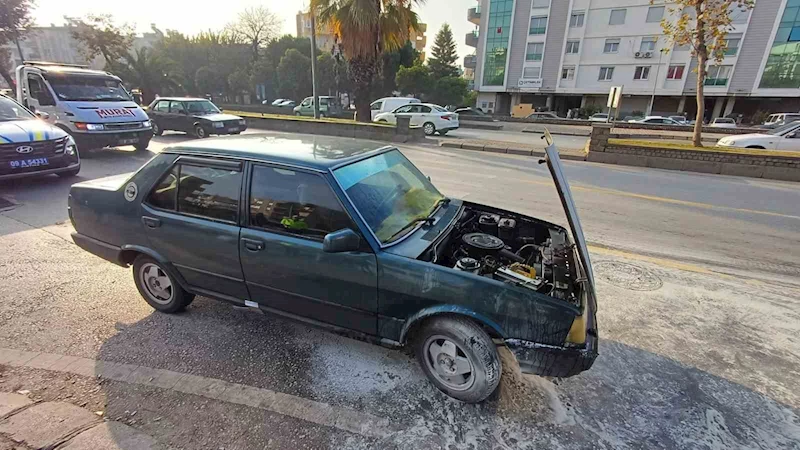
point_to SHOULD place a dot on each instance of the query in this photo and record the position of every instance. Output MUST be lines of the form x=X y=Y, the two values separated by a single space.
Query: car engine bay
x=513 y=249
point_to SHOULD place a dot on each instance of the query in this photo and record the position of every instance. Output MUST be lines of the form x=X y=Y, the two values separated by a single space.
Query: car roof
x=180 y=99
x=313 y=152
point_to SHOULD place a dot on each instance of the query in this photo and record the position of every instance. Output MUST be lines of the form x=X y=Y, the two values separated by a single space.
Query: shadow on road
x=630 y=399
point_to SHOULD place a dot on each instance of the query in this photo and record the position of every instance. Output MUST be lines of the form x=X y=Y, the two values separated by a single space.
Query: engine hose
x=512 y=256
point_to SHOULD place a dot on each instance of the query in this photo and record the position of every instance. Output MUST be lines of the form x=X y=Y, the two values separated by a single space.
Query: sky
x=190 y=16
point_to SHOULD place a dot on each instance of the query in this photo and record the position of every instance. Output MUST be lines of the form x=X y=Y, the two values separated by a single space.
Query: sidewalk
x=482 y=145
x=25 y=424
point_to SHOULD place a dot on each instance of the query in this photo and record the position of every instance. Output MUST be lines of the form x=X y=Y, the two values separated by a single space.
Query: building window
x=606 y=74
x=641 y=73
x=718 y=75
x=573 y=47
x=541 y=4
x=535 y=51
x=538 y=25
x=568 y=73
x=732 y=42
x=682 y=48
x=617 y=17
x=655 y=14
x=532 y=72
x=497 y=37
x=576 y=19
x=648 y=44
x=675 y=72
x=612 y=46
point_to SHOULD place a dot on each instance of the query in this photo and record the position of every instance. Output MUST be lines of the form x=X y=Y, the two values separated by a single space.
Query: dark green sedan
x=352 y=237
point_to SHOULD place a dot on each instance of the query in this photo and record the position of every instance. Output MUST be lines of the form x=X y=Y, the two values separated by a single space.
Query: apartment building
x=326 y=38
x=563 y=54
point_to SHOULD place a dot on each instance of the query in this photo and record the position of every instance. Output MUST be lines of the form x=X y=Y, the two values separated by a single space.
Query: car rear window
x=196 y=190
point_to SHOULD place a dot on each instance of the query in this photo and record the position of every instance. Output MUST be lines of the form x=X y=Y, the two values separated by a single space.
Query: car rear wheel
x=157 y=131
x=459 y=358
x=200 y=132
x=755 y=146
x=158 y=287
x=429 y=129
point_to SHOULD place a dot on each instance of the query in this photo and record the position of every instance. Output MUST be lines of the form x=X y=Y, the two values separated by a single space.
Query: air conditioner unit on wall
x=648 y=54
x=637 y=55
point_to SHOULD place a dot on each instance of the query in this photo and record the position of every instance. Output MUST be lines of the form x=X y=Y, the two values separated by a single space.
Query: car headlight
x=218 y=125
x=70 y=148
x=242 y=122
x=147 y=124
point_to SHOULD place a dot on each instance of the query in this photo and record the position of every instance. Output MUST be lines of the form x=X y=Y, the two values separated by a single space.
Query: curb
x=564 y=133
x=571 y=156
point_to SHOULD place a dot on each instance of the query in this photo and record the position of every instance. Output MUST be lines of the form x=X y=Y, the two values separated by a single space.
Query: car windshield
x=784 y=128
x=11 y=110
x=389 y=192
x=88 y=88
x=201 y=107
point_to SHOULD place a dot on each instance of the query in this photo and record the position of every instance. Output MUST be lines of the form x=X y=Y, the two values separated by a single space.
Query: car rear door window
x=164 y=195
x=197 y=190
x=294 y=202
x=177 y=108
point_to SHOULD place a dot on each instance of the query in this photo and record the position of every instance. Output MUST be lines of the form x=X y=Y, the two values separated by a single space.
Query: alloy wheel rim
x=429 y=129
x=201 y=133
x=449 y=363
x=156 y=283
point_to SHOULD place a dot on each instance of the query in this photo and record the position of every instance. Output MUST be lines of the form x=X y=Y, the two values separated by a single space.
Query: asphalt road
x=698 y=313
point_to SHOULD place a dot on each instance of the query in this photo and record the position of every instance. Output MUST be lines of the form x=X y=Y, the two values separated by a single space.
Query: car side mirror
x=341 y=241
x=42 y=115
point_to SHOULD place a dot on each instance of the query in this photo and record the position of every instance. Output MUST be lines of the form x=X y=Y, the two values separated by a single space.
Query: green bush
x=759 y=117
x=588 y=111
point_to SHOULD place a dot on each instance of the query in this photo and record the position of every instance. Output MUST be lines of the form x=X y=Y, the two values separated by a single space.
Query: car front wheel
x=158 y=287
x=200 y=132
x=157 y=131
x=459 y=358
x=429 y=129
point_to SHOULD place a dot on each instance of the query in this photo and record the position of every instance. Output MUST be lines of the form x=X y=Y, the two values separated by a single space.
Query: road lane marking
x=301 y=408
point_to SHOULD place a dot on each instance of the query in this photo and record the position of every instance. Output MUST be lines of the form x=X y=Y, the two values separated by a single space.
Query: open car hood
x=562 y=185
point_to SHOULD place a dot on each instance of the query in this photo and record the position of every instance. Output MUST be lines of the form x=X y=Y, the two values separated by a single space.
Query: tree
x=443 y=54
x=15 y=18
x=294 y=75
x=415 y=80
x=703 y=25
x=405 y=56
x=448 y=91
x=256 y=26
x=326 y=74
x=208 y=81
x=277 y=48
x=6 y=67
x=99 y=35
x=238 y=82
x=365 y=29
x=150 y=72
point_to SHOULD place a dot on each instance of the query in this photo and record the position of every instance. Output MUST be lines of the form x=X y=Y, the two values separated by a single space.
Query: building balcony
x=474 y=15
x=472 y=39
x=471 y=61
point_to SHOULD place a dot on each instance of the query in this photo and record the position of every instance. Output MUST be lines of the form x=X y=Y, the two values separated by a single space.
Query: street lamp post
x=655 y=83
x=314 y=62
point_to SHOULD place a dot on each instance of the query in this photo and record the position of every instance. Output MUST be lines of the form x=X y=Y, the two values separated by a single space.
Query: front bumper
x=227 y=130
x=553 y=361
x=89 y=141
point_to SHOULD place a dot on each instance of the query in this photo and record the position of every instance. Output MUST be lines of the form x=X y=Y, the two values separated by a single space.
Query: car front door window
x=285 y=267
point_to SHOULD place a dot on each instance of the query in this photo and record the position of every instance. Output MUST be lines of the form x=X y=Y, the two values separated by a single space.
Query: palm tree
x=364 y=30
x=150 y=72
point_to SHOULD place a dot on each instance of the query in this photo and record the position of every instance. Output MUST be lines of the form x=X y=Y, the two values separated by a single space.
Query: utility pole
x=314 y=62
x=655 y=84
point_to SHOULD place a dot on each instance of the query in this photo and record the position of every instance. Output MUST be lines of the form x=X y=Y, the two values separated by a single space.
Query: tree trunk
x=702 y=60
x=363 y=70
x=9 y=79
x=19 y=48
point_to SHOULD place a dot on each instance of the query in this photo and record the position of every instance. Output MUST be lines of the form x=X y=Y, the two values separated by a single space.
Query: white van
x=91 y=105
x=389 y=104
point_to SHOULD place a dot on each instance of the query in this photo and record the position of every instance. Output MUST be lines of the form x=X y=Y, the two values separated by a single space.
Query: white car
x=599 y=117
x=278 y=101
x=432 y=118
x=657 y=120
x=723 y=123
x=389 y=104
x=786 y=137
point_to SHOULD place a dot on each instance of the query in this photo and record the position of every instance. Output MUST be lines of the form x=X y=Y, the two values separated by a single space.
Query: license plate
x=128 y=141
x=231 y=130
x=26 y=163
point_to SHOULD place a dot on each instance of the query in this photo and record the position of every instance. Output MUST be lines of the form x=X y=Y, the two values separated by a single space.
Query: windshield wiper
x=428 y=220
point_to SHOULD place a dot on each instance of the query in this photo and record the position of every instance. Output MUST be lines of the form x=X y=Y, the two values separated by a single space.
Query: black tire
x=142 y=145
x=472 y=343
x=200 y=132
x=756 y=146
x=70 y=173
x=429 y=128
x=157 y=131
x=169 y=300
x=443 y=132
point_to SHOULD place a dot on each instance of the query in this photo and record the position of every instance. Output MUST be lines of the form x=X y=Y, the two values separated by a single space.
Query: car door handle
x=253 y=245
x=151 y=222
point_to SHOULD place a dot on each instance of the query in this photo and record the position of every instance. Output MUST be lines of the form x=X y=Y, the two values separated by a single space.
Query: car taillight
x=447 y=117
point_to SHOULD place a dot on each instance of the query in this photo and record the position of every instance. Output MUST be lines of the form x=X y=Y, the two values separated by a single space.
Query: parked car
x=786 y=137
x=328 y=107
x=780 y=119
x=287 y=104
x=278 y=101
x=467 y=113
x=324 y=218
x=657 y=120
x=680 y=119
x=389 y=104
x=723 y=122
x=30 y=146
x=599 y=117
x=432 y=118
x=196 y=116
x=543 y=115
